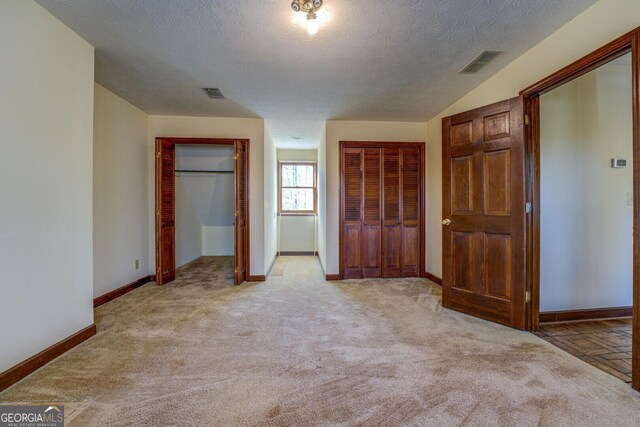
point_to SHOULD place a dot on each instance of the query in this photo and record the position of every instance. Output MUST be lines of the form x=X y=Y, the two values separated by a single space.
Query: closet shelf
x=199 y=171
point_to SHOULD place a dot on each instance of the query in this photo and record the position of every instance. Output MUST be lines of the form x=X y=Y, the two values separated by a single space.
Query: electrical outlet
x=137 y=264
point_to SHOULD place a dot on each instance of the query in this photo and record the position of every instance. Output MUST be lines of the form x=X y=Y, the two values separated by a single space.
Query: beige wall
x=595 y=27
x=213 y=127
x=337 y=131
x=120 y=187
x=270 y=199
x=297 y=155
x=586 y=222
x=218 y=241
x=297 y=233
x=322 y=200
x=188 y=227
x=46 y=261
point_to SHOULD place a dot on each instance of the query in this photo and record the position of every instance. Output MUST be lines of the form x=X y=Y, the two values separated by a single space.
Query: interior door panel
x=483 y=213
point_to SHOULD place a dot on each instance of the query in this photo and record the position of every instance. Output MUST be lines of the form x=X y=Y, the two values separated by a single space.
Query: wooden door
x=381 y=214
x=411 y=202
x=371 y=213
x=241 y=212
x=392 y=221
x=165 y=212
x=484 y=213
x=352 y=212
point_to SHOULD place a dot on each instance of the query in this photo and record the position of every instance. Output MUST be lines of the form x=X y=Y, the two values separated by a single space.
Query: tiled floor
x=605 y=344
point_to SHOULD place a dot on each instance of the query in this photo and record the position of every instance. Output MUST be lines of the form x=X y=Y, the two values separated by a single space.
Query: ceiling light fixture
x=310 y=7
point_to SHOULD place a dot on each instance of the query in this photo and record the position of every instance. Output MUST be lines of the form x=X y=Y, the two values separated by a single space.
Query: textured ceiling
x=373 y=60
x=296 y=134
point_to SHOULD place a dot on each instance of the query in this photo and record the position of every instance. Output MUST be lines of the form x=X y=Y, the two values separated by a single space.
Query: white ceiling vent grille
x=480 y=61
x=213 y=92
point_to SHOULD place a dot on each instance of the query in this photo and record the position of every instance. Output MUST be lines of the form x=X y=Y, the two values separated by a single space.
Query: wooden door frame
x=203 y=141
x=629 y=42
x=382 y=145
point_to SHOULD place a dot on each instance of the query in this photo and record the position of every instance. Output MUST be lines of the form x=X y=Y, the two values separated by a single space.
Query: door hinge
x=527 y=120
x=158 y=155
x=235 y=213
x=235 y=157
x=527 y=207
x=235 y=271
x=527 y=297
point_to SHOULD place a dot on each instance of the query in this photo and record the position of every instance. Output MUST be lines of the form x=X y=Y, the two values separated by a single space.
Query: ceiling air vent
x=213 y=92
x=480 y=61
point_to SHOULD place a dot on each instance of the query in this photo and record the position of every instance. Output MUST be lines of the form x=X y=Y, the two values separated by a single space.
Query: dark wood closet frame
x=629 y=42
x=421 y=192
x=173 y=141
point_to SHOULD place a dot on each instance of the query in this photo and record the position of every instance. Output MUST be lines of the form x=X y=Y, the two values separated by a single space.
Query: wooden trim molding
x=585 y=314
x=298 y=253
x=332 y=277
x=110 y=296
x=257 y=278
x=618 y=47
x=313 y=163
x=435 y=279
x=381 y=144
x=21 y=370
x=635 y=323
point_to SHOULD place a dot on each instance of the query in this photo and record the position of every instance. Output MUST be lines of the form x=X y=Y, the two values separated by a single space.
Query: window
x=297 y=187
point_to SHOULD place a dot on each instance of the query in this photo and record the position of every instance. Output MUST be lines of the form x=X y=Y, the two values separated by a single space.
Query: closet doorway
x=381 y=209
x=166 y=202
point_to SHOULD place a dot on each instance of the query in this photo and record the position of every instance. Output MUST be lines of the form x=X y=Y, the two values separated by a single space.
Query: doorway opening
x=297 y=225
x=202 y=208
x=204 y=186
x=624 y=49
x=586 y=216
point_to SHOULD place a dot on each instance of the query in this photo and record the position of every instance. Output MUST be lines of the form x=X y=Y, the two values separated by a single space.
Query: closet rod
x=199 y=171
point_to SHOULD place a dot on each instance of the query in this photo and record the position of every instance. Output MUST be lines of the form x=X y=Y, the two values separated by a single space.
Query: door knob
x=446 y=222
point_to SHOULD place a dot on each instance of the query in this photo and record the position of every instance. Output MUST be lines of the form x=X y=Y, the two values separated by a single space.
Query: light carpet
x=297 y=350
x=279 y=267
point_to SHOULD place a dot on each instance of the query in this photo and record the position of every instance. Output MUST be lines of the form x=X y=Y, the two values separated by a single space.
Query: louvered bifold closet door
x=241 y=212
x=372 y=216
x=352 y=203
x=165 y=212
x=411 y=201
x=391 y=222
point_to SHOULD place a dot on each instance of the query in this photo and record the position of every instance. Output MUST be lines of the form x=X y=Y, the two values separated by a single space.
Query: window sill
x=297 y=214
